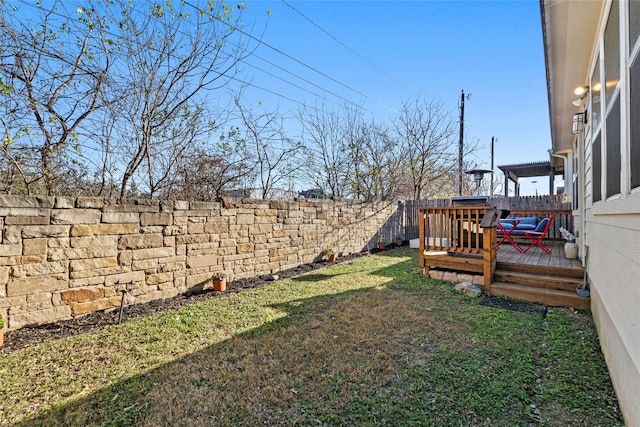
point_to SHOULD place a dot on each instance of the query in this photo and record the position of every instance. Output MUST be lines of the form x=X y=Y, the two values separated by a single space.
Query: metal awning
x=528 y=170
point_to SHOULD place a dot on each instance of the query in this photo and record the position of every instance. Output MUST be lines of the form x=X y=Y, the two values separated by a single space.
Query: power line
x=345 y=46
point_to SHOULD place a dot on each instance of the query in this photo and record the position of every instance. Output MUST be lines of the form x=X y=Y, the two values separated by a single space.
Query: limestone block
x=75 y=216
x=64 y=202
x=90 y=202
x=169 y=241
x=92 y=264
x=34 y=247
x=10 y=250
x=102 y=229
x=37 y=284
x=86 y=281
x=12 y=235
x=156 y=219
x=27 y=220
x=59 y=242
x=158 y=278
x=245 y=219
x=152 y=253
x=39 y=317
x=195 y=228
x=121 y=217
x=26 y=201
x=81 y=274
x=245 y=248
x=478 y=279
x=462 y=277
x=436 y=274
x=125 y=258
x=24 y=212
x=81 y=295
x=174 y=230
x=155 y=295
x=208 y=206
x=149 y=266
x=202 y=261
x=192 y=238
x=216 y=227
x=140 y=241
x=181 y=205
x=38 y=269
x=16 y=301
x=198 y=279
x=37 y=231
x=94 y=242
x=172 y=266
x=91 y=306
x=450 y=276
x=229 y=250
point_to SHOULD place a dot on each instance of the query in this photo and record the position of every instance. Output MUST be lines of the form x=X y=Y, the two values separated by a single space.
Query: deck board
x=536 y=256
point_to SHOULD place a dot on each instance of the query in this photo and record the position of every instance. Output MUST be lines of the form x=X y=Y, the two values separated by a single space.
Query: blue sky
x=396 y=50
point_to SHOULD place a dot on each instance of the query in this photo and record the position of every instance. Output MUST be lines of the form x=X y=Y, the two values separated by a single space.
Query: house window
x=613 y=159
x=634 y=23
x=612 y=53
x=596 y=168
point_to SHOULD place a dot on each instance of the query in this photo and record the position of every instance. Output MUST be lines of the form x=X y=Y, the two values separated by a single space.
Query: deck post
x=489 y=256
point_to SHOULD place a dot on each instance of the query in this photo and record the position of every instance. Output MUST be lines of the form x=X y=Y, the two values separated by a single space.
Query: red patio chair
x=536 y=236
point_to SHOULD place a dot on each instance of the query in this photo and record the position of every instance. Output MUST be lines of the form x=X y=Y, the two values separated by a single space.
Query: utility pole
x=493 y=139
x=461 y=143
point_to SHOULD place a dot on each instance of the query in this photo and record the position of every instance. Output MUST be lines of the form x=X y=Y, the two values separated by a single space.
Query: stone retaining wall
x=61 y=257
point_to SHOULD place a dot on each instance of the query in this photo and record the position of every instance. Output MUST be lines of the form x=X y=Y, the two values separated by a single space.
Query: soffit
x=570 y=31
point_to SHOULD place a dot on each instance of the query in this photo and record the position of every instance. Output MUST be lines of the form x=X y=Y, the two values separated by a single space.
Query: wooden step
x=568 y=284
x=576 y=273
x=552 y=297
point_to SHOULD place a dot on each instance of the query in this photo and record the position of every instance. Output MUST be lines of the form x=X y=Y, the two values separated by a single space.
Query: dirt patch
x=32 y=335
x=513 y=305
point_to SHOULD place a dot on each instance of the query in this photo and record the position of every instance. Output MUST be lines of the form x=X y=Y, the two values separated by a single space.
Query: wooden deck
x=535 y=256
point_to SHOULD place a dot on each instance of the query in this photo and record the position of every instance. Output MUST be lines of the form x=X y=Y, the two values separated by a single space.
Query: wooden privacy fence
x=540 y=206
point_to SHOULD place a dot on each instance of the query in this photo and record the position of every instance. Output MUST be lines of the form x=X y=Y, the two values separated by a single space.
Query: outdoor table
x=506 y=233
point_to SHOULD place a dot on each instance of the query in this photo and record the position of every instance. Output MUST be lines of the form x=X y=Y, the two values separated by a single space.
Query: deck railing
x=452 y=238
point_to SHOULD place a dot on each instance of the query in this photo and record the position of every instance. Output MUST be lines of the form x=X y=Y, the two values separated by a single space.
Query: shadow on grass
x=130 y=402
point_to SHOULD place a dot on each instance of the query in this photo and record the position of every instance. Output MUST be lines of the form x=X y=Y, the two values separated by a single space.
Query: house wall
x=611 y=230
x=61 y=257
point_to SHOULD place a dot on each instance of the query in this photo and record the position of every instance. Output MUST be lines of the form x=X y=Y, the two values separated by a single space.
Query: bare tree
x=278 y=158
x=212 y=171
x=176 y=57
x=427 y=134
x=325 y=134
x=54 y=68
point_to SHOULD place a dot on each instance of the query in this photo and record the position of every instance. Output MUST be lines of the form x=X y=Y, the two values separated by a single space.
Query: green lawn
x=368 y=342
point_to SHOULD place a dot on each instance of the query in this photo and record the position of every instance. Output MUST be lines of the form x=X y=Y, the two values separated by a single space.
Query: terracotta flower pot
x=219 y=285
x=399 y=242
x=332 y=257
x=380 y=245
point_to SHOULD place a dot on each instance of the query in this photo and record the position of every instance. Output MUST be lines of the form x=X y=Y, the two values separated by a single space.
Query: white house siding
x=614 y=275
x=610 y=227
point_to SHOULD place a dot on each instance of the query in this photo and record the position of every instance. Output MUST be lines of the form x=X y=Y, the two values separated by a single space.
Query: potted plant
x=381 y=245
x=219 y=282
x=329 y=254
x=570 y=248
x=399 y=241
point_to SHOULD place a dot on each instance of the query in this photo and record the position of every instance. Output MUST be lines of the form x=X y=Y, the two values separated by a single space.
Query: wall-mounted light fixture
x=580 y=92
x=579 y=120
